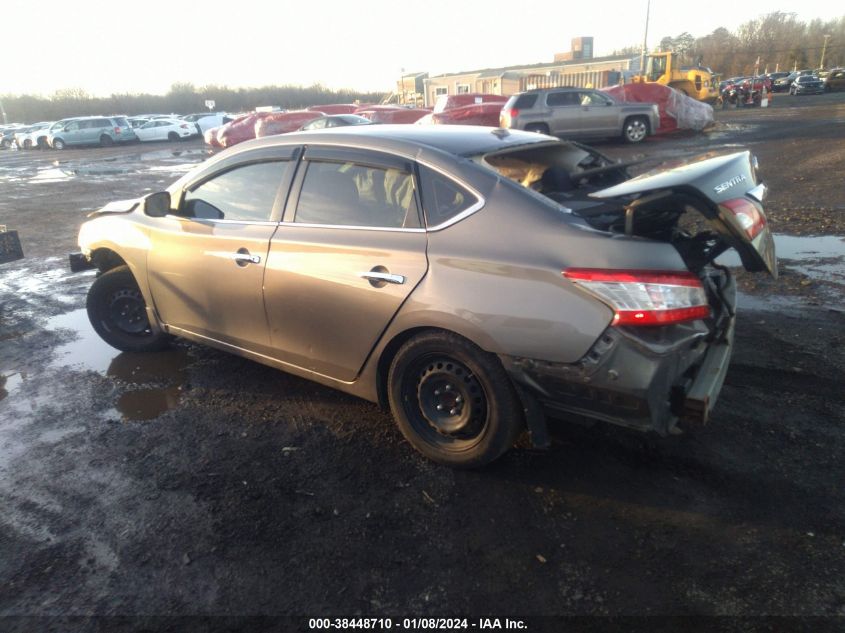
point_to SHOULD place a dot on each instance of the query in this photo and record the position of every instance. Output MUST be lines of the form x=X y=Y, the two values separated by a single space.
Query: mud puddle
x=153 y=382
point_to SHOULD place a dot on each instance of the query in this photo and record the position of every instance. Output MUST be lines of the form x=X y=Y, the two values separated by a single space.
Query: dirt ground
x=193 y=482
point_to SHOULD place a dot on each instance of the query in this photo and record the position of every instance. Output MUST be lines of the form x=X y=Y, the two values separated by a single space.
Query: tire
x=441 y=369
x=106 y=141
x=27 y=144
x=635 y=129
x=172 y=137
x=41 y=143
x=58 y=143
x=6 y=143
x=118 y=314
x=539 y=128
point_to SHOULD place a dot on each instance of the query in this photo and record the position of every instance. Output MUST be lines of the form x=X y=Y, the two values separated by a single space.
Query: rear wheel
x=117 y=311
x=635 y=129
x=27 y=144
x=539 y=128
x=453 y=401
x=172 y=137
x=106 y=141
x=58 y=143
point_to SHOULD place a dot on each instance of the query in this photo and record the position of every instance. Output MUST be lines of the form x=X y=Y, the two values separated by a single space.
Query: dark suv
x=93 y=130
x=574 y=112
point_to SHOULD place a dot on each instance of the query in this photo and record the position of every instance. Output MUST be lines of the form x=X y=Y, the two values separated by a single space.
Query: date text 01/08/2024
x=429 y=624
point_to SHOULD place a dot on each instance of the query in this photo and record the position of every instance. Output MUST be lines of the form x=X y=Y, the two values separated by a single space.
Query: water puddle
x=153 y=381
x=820 y=257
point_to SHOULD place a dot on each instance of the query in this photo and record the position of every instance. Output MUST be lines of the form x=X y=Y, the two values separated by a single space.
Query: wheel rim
x=635 y=130
x=126 y=311
x=446 y=402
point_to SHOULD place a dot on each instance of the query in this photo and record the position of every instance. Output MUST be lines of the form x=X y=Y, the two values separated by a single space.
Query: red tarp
x=475 y=114
x=392 y=114
x=677 y=111
x=334 y=108
x=281 y=122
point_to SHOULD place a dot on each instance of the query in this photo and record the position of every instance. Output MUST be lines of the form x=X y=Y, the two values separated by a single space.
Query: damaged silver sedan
x=475 y=281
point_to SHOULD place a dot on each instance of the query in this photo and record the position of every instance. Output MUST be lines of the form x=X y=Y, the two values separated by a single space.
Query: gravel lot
x=197 y=483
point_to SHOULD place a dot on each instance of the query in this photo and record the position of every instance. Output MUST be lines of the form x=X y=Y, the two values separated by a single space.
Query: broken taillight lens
x=645 y=297
x=747 y=214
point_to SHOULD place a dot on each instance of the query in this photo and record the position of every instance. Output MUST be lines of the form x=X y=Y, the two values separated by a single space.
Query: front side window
x=442 y=197
x=243 y=194
x=593 y=99
x=352 y=194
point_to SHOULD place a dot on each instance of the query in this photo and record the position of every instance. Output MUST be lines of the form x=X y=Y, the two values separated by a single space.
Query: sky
x=104 y=47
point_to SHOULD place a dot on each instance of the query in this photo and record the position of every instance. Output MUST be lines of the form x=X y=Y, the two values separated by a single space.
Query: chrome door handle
x=246 y=258
x=388 y=277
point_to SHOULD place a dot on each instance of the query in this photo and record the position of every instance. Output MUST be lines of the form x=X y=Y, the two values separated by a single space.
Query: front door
x=206 y=261
x=349 y=253
x=599 y=114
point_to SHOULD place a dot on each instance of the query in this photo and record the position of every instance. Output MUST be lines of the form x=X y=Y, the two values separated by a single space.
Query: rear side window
x=525 y=102
x=352 y=194
x=121 y=121
x=443 y=198
x=244 y=194
x=563 y=99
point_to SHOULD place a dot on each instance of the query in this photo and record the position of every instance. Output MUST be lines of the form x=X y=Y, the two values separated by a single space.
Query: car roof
x=459 y=140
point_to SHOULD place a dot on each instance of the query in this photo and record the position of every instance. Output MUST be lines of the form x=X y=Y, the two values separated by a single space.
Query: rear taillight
x=117 y=130
x=645 y=297
x=184 y=126
x=747 y=214
x=507 y=117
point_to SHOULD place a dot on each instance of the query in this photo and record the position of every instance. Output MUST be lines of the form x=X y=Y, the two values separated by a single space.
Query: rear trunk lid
x=725 y=190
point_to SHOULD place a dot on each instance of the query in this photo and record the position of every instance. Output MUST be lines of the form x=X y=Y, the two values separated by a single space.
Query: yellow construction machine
x=663 y=68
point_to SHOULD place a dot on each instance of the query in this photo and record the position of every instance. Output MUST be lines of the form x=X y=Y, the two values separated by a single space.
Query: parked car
x=137 y=122
x=7 y=134
x=33 y=136
x=579 y=112
x=785 y=83
x=835 y=80
x=92 y=130
x=207 y=120
x=773 y=77
x=806 y=85
x=165 y=130
x=336 y=120
x=474 y=281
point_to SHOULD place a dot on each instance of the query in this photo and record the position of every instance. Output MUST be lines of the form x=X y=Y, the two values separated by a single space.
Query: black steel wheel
x=453 y=401
x=106 y=141
x=118 y=313
x=172 y=137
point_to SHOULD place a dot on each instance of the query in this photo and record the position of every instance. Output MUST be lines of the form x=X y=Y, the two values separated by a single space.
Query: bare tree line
x=775 y=41
x=182 y=98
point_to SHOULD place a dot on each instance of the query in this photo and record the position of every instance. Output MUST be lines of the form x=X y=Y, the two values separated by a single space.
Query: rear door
x=350 y=250
x=564 y=113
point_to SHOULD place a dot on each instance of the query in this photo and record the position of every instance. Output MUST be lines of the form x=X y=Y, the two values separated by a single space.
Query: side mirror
x=157 y=205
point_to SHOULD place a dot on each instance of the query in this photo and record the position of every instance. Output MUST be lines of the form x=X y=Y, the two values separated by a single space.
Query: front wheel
x=453 y=401
x=58 y=143
x=118 y=313
x=635 y=130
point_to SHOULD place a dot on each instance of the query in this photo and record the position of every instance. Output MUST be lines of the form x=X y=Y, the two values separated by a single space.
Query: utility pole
x=645 y=39
x=824 y=48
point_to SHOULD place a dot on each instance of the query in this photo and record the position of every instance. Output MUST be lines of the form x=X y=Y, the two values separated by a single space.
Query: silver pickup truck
x=579 y=112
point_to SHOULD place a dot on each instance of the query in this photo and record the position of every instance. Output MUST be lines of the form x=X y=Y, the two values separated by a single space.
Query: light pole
x=824 y=48
x=645 y=38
